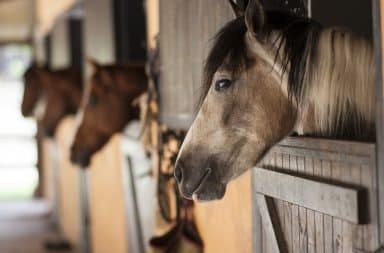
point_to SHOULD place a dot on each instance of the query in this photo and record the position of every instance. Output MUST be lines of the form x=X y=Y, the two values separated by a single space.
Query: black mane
x=298 y=42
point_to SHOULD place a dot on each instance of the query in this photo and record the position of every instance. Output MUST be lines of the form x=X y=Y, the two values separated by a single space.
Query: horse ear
x=255 y=18
x=93 y=63
x=238 y=7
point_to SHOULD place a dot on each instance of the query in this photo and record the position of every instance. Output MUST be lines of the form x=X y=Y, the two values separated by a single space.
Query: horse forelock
x=228 y=48
x=298 y=38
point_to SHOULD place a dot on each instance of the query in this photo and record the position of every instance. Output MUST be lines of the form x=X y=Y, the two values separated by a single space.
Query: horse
x=32 y=89
x=269 y=75
x=61 y=96
x=107 y=107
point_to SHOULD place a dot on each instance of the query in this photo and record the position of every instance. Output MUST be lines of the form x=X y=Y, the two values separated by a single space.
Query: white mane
x=339 y=81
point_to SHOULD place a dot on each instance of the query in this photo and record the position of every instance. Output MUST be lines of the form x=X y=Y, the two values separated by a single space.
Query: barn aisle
x=24 y=226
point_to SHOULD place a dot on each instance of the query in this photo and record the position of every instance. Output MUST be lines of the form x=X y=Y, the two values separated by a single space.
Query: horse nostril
x=178 y=174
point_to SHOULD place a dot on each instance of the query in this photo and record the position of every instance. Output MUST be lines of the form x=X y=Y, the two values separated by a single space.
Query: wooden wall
x=186 y=28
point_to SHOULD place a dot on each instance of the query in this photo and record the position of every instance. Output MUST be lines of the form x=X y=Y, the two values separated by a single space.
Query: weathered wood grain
x=319 y=224
x=271 y=224
x=331 y=199
x=295 y=211
x=336 y=221
x=310 y=213
x=328 y=235
x=287 y=210
x=378 y=27
x=303 y=235
x=347 y=147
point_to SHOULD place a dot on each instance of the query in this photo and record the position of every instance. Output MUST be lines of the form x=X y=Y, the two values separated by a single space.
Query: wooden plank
x=271 y=224
x=295 y=211
x=310 y=213
x=279 y=203
x=328 y=236
x=319 y=223
x=108 y=235
x=68 y=175
x=287 y=212
x=378 y=26
x=348 y=228
x=323 y=155
x=370 y=231
x=268 y=246
x=349 y=147
x=330 y=199
x=337 y=223
x=303 y=235
x=357 y=230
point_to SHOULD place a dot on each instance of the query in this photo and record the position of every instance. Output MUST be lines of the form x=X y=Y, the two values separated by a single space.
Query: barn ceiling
x=16 y=19
x=21 y=20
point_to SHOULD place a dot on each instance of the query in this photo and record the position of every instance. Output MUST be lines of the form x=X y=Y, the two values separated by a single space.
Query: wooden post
x=378 y=21
x=60 y=45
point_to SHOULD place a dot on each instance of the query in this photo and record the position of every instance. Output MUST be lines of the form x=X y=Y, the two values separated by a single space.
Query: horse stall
x=308 y=194
x=114 y=32
x=65 y=51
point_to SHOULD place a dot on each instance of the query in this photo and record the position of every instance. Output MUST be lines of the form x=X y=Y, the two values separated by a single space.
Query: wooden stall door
x=114 y=33
x=69 y=201
x=320 y=197
x=107 y=206
x=49 y=165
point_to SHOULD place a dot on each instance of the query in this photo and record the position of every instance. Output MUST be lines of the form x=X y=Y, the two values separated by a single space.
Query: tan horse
x=107 y=107
x=269 y=75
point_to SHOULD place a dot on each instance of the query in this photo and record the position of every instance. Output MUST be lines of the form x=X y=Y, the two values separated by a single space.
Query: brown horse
x=107 y=107
x=61 y=96
x=32 y=89
x=269 y=75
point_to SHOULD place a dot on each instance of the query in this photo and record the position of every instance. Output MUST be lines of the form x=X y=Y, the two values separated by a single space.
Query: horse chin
x=49 y=132
x=209 y=191
x=81 y=158
x=210 y=195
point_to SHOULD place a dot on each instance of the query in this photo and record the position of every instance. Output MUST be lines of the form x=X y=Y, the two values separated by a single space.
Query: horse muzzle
x=81 y=158
x=198 y=184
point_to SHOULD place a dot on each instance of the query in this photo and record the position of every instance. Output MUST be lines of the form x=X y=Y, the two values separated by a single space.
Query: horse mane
x=320 y=65
x=73 y=75
x=133 y=74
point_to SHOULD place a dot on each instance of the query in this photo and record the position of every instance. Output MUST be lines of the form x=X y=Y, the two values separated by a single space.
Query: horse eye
x=222 y=84
x=92 y=101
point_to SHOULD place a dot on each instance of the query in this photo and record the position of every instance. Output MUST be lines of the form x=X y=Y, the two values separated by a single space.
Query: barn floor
x=24 y=226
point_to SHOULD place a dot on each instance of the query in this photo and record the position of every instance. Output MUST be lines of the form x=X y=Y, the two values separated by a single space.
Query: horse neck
x=132 y=80
x=72 y=89
x=338 y=93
